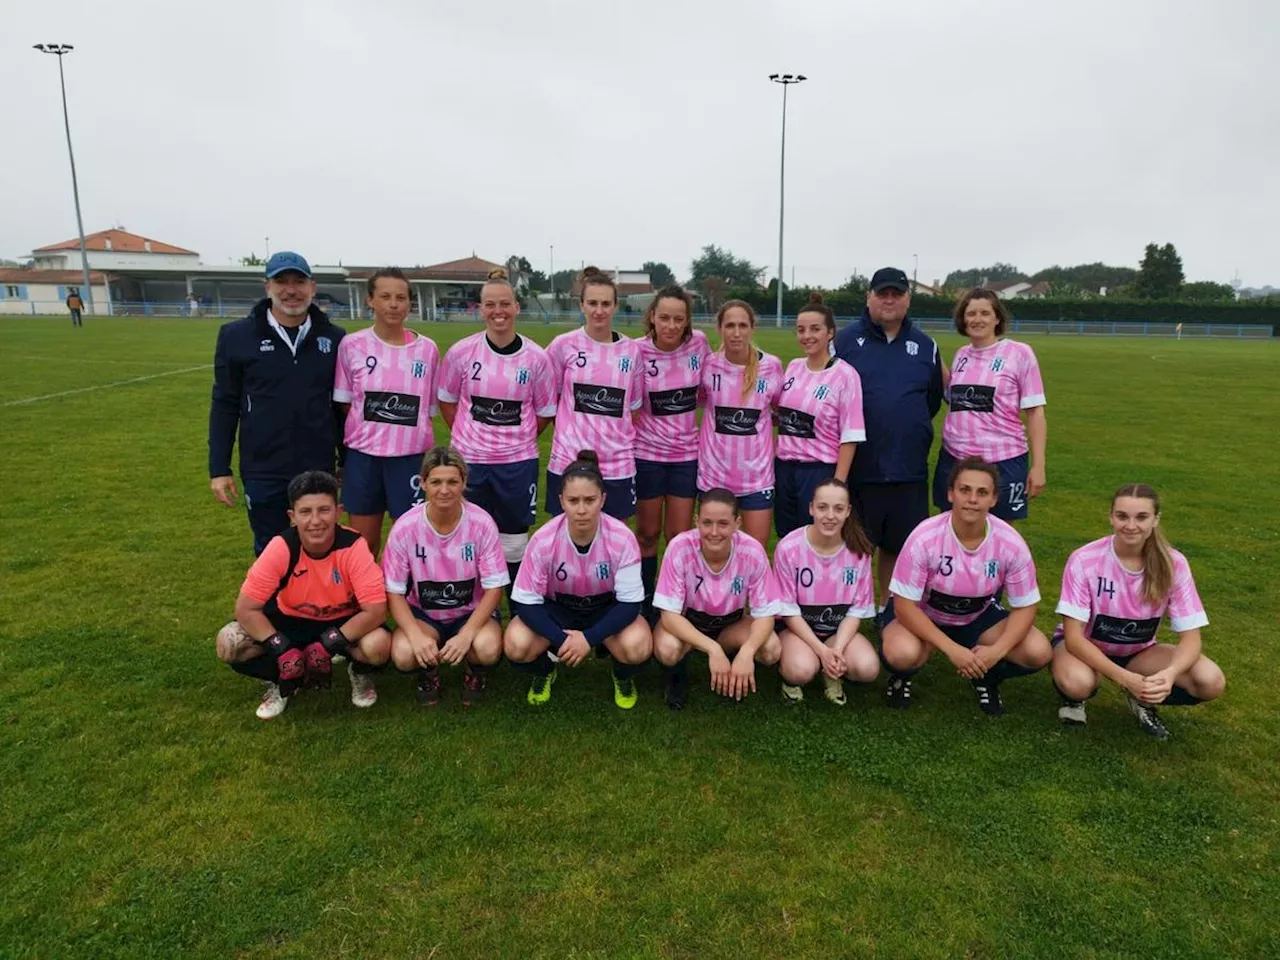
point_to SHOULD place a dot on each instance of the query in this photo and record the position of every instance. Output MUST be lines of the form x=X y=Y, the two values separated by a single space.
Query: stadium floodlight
x=786 y=79
x=60 y=50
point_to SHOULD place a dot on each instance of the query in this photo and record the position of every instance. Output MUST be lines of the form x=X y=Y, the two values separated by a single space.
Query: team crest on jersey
x=849 y=575
x=325 y=344
x=993 y=567
x=419 y=369
x=266 y=346
x=522 y=375
x=624 y=364
x=602 y=570
x=695 y=362
x=822 y=392
x=997 y=364
x=337 y=577
x=468 y=551
x=762 y=385
x=736 y=586
x=912 y=347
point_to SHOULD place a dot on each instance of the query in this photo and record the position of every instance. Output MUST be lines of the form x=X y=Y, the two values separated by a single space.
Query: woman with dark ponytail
x=824 y=575
x=819 y=417
x=1115 y=592
x=579 y=590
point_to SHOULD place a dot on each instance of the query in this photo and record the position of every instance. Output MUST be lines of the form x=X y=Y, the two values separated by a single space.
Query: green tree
x=660 y=274
x=1087 y=278
x=1160 y=273
x=715 y=262
x=975 y=276
x=252 y=260
x=1205 y=291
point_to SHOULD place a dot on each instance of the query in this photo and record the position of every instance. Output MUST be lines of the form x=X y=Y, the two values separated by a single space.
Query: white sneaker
x=1072 y=713
x=791 y=693
x=272 y=704
x=363 y=692
x=833 y=690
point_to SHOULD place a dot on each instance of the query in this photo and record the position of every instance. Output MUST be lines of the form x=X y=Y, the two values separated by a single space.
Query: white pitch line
x=146 y=362
x=104 y=386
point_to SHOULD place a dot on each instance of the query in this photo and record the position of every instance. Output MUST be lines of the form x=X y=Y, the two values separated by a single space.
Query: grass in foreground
x=148 y=813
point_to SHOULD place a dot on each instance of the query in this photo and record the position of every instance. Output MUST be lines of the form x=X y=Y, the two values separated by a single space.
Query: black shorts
x=619 y=496
x=890 y=511
x=299 y=631
x=655 y=479
x=1011 y=503
x=1119 y=659
x=446 y=630
x=794 y=484
x=966 y=634
x=508 y=492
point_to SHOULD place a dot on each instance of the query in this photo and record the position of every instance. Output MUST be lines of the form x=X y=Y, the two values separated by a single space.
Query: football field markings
x=104 y=386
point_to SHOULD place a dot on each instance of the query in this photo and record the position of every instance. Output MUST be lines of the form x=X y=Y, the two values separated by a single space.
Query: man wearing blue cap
x=273 y=382
x=901 y=370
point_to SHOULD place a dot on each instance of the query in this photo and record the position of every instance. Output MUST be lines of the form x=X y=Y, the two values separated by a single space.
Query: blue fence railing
x=633 y=318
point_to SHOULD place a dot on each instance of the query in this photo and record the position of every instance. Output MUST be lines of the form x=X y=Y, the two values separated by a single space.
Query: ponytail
x=1157 y=562
x=752 y=367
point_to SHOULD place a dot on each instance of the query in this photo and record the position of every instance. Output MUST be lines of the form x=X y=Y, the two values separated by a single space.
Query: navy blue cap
x=288 y=260
x=890 y=277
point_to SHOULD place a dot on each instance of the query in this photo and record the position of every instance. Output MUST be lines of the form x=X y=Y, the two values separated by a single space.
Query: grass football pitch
x=148 y=813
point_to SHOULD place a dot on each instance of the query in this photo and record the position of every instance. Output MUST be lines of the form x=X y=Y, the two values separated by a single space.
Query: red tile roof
x=121 y=242
x=51 y=277
x=466 y=270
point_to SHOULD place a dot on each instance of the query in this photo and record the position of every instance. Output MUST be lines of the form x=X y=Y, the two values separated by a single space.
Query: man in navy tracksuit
x=273 y=380
x=901 y=370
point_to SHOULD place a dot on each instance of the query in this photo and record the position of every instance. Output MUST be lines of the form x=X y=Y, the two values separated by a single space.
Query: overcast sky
x=964 y=131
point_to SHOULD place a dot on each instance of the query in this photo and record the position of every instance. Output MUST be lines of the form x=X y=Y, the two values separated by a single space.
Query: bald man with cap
x=273 y=377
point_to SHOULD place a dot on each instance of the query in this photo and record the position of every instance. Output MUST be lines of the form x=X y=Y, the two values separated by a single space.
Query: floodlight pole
x=786 y=79
x=60 y=50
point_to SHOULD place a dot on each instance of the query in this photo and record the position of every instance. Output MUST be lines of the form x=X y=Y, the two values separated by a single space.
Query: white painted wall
x=43 y=299
x=112 y=260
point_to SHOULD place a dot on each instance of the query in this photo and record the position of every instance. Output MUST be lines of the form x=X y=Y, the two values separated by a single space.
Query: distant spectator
x=76 y=306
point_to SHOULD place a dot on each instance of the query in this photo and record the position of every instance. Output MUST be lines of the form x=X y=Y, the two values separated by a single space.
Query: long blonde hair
x=753 y=355
x=1157 y=563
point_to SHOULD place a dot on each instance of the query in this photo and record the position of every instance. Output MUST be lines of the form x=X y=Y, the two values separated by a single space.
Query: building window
x=11 y=292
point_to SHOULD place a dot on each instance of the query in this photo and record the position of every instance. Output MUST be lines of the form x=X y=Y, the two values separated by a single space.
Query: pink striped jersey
x=599 y=385
x=555 y=570
x=1104 y=595
x=711 y=600
x=735 y=445
x=391 y=390
x=822 y=588
x=953 y=585
x=666 y=423
x=819 y=411
x=989 y=389
x=499 y=396
x=444 y=576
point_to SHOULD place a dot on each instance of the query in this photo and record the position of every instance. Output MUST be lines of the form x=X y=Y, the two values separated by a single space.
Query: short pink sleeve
x=911 y=572
x=544 y=386
x=1076 y=599
x=1030 y=384
x=343 y=389
x=395 y=559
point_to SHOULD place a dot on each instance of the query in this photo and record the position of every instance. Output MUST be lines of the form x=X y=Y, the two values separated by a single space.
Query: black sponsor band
x=705 y=622
x=1120 y=630
x=796 y=423
x=956 y=606
x=599 y=401
x=823 y=620
x=669 y=403
x=400 y=409
x=591 y=603
x=445 y=594
x=737 y=421
x=496 y=411
x=973 y=397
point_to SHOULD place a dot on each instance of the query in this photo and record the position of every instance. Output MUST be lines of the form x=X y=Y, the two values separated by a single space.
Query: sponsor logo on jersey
x=496 y=412
x=973 y=397
x=1123 y=630
x=602 y=570
x=997 y=364
x=624 y=364
x=711 y=621
x=993 y=567
x=737 y=421
x=419 y=369
x=522 y=375
x=266 y=346
x=795 y=423
x=325 y=344
x=400 y=409
x=736 y=586
x=912 y=347
x=861 y=341
x=848 y=575
x=598 y=400
x=590 y=604
x=956 y=606
x=822 y=620
x=445 y=594
x=469 y=551
x=667 y=403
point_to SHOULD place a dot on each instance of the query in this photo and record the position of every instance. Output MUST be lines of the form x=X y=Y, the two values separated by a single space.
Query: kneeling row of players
x=316 y=593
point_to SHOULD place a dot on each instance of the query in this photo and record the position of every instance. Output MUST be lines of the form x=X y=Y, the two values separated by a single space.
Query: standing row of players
x=498 y=391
